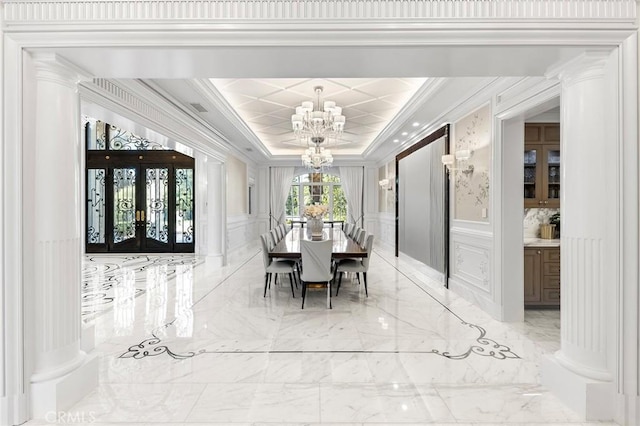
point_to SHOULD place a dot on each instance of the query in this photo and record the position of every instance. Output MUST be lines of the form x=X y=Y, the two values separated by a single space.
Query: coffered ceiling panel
x=266 y=106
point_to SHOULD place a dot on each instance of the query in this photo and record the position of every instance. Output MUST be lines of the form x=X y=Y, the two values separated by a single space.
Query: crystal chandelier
x=316 y=126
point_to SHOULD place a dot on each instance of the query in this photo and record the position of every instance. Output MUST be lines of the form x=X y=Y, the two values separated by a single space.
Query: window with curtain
x=312 y=188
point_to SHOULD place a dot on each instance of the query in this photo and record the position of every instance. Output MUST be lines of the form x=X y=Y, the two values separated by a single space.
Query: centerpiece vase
x=314 y=227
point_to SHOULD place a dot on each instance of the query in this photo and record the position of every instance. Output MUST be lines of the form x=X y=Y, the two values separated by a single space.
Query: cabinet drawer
x=551 y=268
x=550 y=295
x=551 y=281
x=551 y=255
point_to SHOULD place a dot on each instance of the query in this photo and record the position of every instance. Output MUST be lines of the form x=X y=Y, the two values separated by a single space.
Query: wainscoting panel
x=471 y=264
x=387 y=228
x=471 y=274
x=241 y=230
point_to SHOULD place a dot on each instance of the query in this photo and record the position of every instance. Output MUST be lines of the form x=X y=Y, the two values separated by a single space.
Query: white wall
x=242 y=227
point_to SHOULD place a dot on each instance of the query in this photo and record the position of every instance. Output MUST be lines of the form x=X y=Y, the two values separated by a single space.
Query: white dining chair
x=275 y=266
x=356 y=265
x=316 y=266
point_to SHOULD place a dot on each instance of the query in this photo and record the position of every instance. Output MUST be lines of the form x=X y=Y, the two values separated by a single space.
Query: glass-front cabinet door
x=542 y=175
x=542 y=171
x=531 y=181
x=140 y=208
x=552 y=177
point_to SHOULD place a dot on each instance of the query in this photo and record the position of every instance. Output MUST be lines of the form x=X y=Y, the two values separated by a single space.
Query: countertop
x=541 y=242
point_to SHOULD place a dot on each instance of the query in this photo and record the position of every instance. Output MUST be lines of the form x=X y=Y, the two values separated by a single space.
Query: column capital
x=54 y=68
x=589 y=64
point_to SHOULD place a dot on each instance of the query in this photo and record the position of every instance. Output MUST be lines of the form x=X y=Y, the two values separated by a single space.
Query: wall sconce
x=386 y=184
x=458 y=161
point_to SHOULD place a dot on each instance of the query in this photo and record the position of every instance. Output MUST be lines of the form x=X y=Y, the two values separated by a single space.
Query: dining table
x=343 y=246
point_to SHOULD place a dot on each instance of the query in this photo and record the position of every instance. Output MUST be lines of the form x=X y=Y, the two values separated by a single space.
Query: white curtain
x=352 y=179
x=281 y=178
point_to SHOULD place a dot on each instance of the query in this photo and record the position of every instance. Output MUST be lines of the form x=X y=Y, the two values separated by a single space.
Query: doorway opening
x=139 y=198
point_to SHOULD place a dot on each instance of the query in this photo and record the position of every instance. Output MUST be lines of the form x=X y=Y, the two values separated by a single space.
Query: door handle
x=142 y=215
x=137 y=215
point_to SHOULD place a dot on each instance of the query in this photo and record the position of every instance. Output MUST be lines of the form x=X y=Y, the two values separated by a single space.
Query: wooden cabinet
x=542 y=165
x=542 y=276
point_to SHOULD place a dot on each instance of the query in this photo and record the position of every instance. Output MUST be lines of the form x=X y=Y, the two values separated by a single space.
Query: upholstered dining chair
x=347 y=228
x=356 y=265
x=359 y=237
x=273 y=234
x=354 y=232
x=275 y=266
x=316 y=265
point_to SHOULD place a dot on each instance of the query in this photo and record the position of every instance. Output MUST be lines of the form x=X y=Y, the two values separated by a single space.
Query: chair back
x=316 y=260
x=347 y=228
x=279 y=233
x=264 y=239
x=369 y=248
x=359 y=236
x=274 y=236
x=354 y=232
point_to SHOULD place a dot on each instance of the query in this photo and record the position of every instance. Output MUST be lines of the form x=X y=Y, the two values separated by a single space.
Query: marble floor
x=182 y=342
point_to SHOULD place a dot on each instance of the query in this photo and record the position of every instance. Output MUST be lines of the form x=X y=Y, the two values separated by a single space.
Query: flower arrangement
x=316 y=211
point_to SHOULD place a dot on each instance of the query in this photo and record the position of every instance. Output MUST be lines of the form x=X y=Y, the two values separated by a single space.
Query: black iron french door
x=138 y=206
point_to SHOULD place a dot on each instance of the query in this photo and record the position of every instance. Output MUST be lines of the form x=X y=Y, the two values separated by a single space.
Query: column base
x=216 y=260
x=88 y=338
x=50 y=397
x=592 y=399
x=14 y=410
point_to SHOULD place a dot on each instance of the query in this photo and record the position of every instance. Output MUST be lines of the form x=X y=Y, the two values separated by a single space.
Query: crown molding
x=117 y=12
x=129 y=100
x=178 y=105
x=422 y=95
x=218 y=102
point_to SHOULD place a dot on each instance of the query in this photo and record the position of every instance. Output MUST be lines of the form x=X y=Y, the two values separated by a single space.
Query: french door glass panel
x=124 y=204
x=96 y=206
x=184 y=206
x=157 y=204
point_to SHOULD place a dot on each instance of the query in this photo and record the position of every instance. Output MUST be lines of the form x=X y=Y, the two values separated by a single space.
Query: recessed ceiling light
x=404 y=133
x=416 y=124
x=396 y=140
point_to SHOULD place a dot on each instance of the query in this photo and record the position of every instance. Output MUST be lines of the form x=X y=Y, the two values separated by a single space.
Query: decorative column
x=216 y=208
x=62 y=373
x=581 y=373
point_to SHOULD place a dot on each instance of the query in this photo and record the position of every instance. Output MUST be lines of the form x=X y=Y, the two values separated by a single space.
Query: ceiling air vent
x=198 y=107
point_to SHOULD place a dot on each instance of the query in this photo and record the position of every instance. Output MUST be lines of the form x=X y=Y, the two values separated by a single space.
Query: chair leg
x=270 y=279
x=339 y=282
x=329 y=294
x=365 y=284
x=291 y=282
x=358 y=277
x=304 y=292
x=266 y=280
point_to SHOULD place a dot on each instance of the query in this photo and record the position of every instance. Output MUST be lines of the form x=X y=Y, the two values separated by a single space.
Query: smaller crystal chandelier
x=316 y=126
x=317 y=158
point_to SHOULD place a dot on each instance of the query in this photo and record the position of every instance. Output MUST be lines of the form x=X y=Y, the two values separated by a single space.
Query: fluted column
x=581 y=372
x=57 y=358
x=216 y=199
